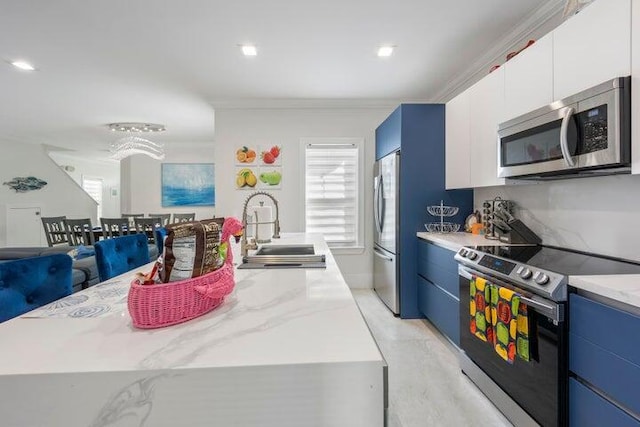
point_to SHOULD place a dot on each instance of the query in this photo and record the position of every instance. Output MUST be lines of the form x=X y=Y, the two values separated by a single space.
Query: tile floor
x=426 y=386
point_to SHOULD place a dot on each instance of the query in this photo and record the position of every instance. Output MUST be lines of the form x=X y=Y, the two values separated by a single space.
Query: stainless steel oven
x=526 y=392
x=534 y=392
x=587 y=133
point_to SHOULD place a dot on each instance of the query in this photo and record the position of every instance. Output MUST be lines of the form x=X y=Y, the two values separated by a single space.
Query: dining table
x=288 y=347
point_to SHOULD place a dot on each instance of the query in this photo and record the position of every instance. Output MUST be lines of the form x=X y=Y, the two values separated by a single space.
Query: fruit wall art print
x=258 y=167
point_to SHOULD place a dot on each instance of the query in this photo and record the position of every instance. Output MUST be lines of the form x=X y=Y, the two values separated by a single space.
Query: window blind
x=93 y=187
x=331 y=193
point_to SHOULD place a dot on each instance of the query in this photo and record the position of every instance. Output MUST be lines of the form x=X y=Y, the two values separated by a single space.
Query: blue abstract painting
x=188 y=184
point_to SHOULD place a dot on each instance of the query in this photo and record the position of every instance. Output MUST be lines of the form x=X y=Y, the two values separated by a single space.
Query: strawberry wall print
x=270 y=155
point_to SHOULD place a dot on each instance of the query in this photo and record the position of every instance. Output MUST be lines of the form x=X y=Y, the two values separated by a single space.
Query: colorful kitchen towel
x=480 y=309
x=523 y=334
x=511 y=325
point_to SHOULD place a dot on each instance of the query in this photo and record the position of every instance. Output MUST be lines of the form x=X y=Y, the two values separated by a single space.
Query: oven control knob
x=472 y=255
x=541 y=279
x=525 y=273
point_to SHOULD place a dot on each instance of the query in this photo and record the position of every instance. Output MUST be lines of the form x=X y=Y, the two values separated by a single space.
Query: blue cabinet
x=389 y=134
x=604 y=354
x=438 y=289
x=417 y=130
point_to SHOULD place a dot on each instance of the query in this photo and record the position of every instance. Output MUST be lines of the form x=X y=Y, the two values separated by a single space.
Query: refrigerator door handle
x=376 y=201
x=381 y=204
x=379 y=254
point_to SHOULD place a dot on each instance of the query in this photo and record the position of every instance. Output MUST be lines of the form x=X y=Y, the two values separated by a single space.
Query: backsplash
x=599 y=215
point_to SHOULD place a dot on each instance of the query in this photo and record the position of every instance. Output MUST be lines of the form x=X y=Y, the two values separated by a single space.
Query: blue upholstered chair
x=121 y=254
x=160 y=234
x=29 y=283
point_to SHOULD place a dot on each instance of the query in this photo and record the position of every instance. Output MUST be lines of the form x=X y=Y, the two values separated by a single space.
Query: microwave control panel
x=594 y=129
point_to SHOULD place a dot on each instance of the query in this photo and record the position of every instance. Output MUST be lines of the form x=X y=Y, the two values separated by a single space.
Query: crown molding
x=548 y=11
x=308 y=103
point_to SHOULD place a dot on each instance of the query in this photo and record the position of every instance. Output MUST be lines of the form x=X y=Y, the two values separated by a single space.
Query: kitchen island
x=289 y=347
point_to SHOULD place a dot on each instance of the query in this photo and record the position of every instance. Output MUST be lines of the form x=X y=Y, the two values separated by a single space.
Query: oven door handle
x=553 y=311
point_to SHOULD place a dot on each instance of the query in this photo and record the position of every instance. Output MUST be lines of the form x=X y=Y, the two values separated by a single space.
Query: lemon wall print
x=246 y=178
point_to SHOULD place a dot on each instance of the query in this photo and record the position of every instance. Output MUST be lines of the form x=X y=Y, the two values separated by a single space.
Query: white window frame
x=100 y=204
x=359 y=143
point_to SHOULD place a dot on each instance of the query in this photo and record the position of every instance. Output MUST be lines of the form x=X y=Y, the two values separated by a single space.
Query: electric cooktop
x=542 y=270
x=563 y=261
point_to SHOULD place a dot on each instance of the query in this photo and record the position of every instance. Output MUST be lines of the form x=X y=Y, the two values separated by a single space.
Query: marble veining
x=131 y=405
x=285 y=338
x=598 y=215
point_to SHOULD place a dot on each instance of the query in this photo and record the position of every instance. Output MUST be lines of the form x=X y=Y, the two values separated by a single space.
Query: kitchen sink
x=284 y=256
x=286 y=250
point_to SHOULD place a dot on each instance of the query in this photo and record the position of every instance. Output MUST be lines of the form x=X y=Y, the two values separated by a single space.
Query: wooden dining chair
x=147 y=226
x=130 y=218
x=114 y=227
x=54 y=230
x=79 y=232
x=183 y=217
x=165 y=219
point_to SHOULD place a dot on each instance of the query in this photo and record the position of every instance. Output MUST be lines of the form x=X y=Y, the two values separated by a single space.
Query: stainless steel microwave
x=585 y=134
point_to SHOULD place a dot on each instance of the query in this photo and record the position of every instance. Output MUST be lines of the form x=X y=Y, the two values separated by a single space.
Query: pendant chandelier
x=131 y=144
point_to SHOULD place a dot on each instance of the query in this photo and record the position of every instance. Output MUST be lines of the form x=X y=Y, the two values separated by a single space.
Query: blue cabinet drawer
x=441 y=277
x=604 y=349
x=428 y=252
x=587 y=408
x=438 y=266
x=440 y=308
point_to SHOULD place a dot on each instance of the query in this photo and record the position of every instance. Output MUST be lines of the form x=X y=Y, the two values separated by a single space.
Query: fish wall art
x=22 y=184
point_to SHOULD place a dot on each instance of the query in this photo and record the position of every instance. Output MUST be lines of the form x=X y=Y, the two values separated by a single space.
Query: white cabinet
x=486 y=106
x=592 y=47
x=457 y=160
x=529 y=79
x=472 y=120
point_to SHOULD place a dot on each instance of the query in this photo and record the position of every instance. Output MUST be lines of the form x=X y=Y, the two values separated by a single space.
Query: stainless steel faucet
x=245 y=246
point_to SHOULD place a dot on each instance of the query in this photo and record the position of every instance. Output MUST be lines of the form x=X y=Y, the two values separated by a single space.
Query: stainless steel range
x=534 y=392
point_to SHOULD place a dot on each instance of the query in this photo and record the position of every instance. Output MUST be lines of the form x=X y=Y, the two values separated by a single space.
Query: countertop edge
x=623 y=288
x=456 y=241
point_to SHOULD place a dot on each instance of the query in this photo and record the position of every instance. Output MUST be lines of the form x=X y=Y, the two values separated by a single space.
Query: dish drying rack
x=443 y=212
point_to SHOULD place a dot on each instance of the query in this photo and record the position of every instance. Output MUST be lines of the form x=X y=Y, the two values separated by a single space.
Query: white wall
x=141 y=181
x=599 y=215
x=285 y=127
x=61 y=196
x=107 y=170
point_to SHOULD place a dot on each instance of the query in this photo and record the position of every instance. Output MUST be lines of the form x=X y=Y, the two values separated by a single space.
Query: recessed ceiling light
x=249 y=50
x=385 y=51
x=23 y=65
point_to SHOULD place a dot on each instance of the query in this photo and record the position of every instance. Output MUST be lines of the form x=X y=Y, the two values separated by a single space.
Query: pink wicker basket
x=155 y=306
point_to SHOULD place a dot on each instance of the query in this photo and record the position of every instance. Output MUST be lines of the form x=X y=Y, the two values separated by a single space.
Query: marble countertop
x=273 y=317
x=623 y=288
x=455 y=241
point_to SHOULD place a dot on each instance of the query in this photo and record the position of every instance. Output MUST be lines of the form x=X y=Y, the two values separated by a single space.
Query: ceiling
x=170 y=62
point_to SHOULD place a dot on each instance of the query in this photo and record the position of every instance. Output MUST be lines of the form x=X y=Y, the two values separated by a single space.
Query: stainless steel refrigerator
x=386 y=223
